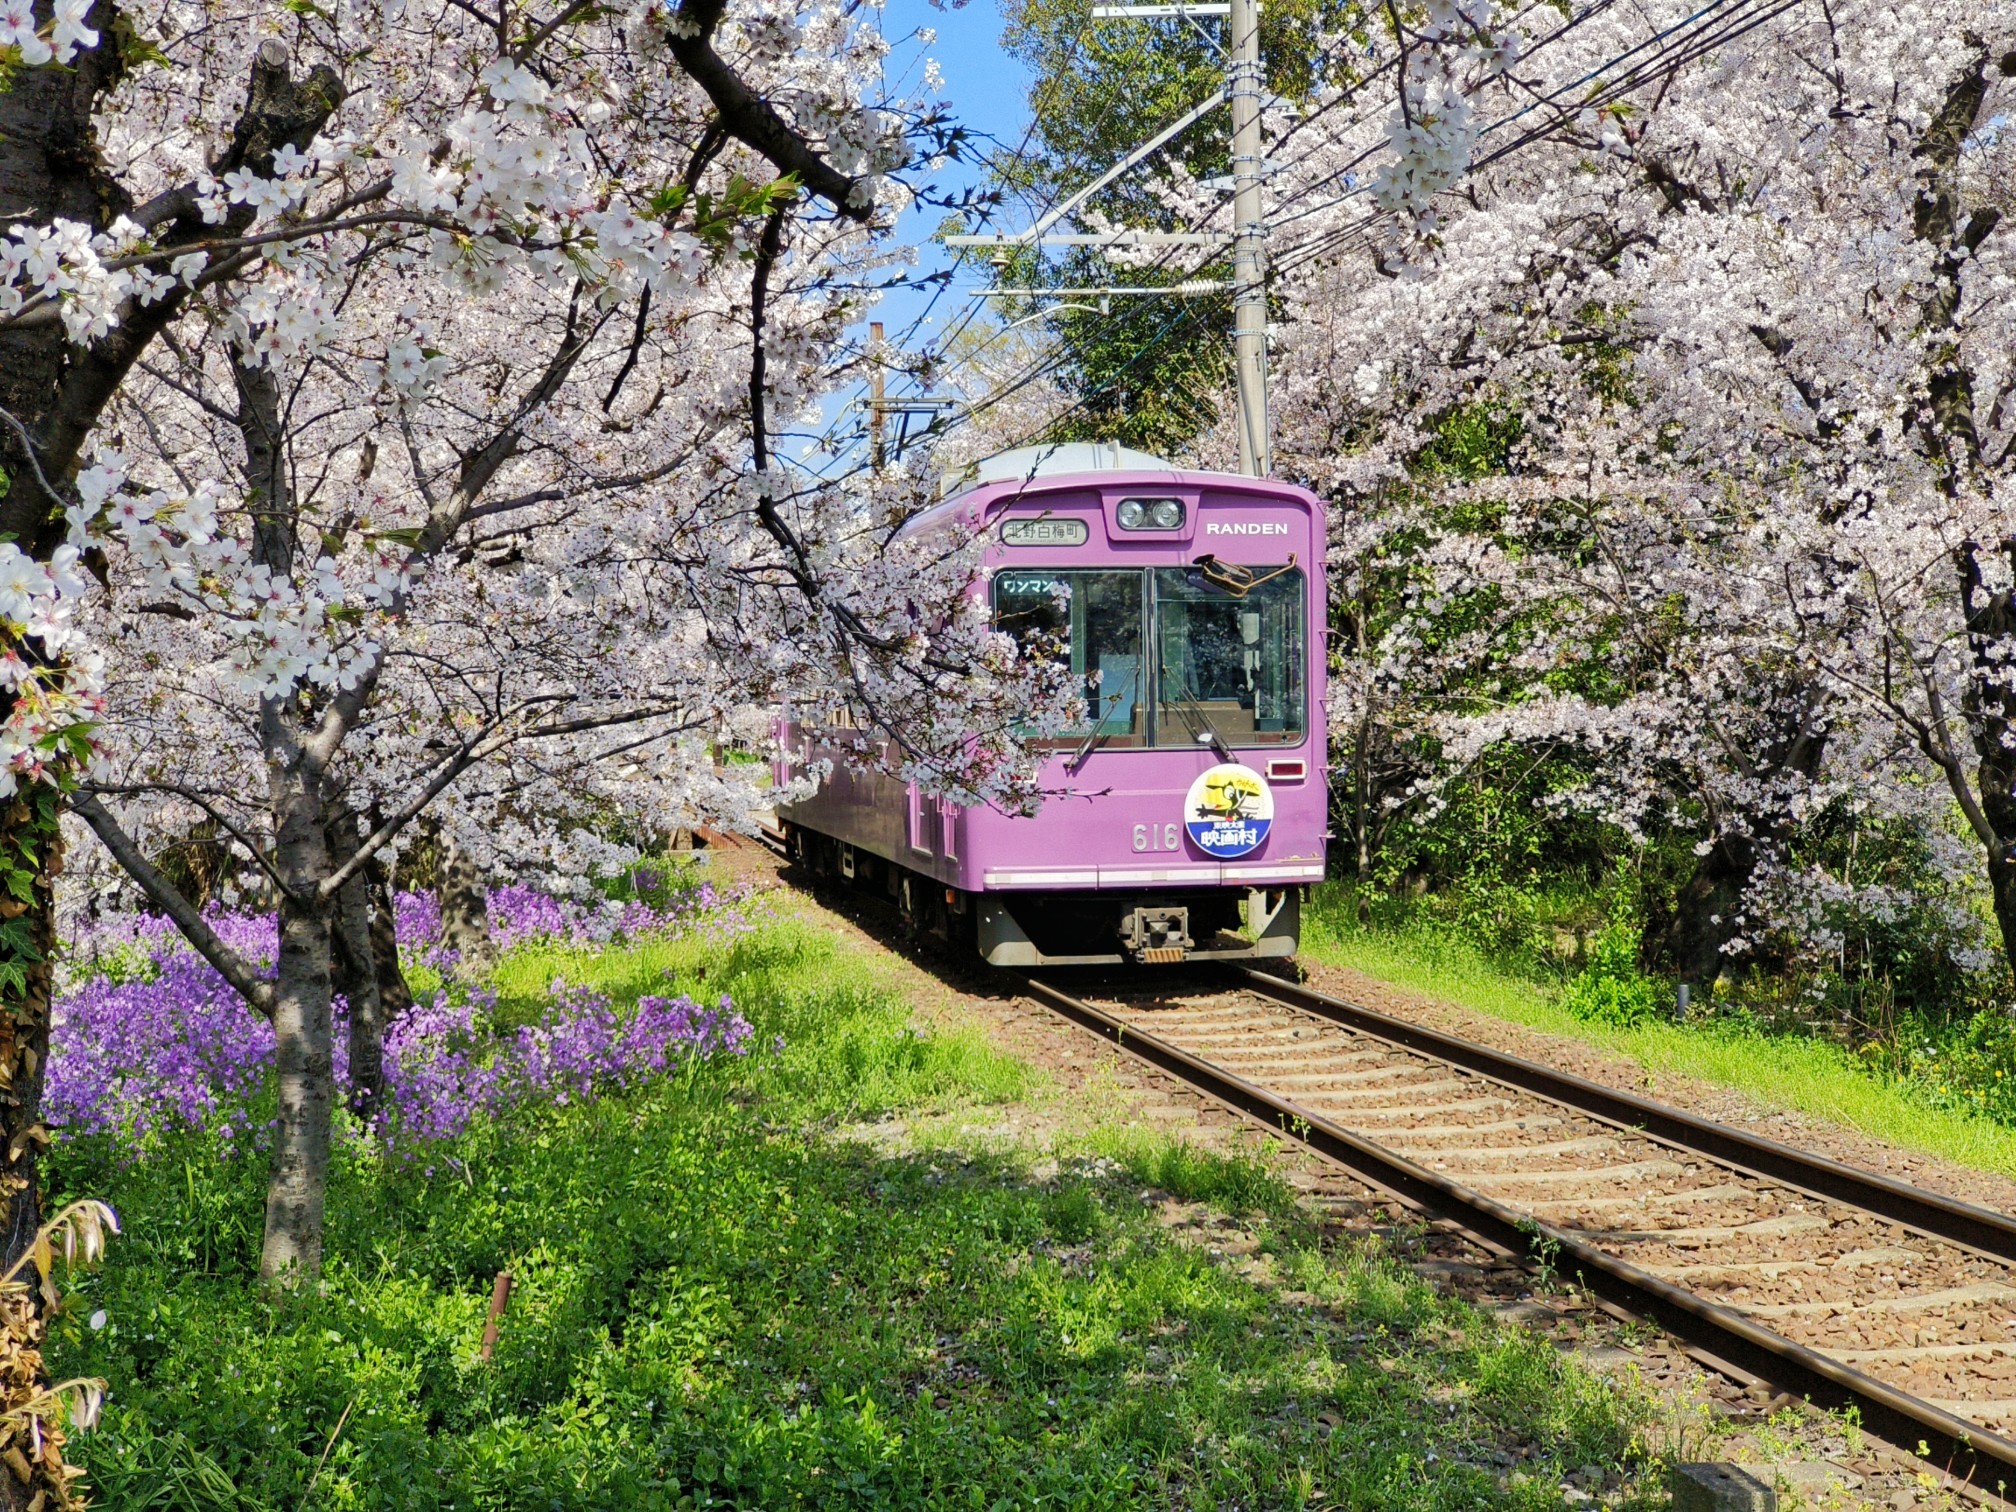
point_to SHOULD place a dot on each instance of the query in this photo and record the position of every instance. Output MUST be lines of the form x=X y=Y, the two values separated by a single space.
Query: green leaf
x=135 y=50
x=17 y=940
x=669 y=200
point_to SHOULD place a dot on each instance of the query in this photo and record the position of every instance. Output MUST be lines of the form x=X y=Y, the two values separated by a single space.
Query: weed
x=1812 y=1076
x=721 y=1300
x=1544 y=1250
x=1240 y=1182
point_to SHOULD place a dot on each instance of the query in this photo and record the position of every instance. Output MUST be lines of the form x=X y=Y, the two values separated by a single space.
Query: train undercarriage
x=1078 y=928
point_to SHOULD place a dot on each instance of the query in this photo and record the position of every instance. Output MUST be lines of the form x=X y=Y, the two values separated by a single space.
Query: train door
x=922 y=823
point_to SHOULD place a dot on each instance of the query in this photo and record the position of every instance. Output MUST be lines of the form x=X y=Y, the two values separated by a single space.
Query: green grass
x=722 y=1301
x=1241 y=1183
x=1804 y=1075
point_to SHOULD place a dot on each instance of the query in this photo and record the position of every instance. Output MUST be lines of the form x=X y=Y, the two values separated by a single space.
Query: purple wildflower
x=148 y=1036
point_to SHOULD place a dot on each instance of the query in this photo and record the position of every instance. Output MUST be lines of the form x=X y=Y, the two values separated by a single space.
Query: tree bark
x=1693 y=943
x=303 y=1040
x=50 y=168
x=394 y=996
x=303 y=1035
x=30 y=854
x=1990 y=618
x=465 y=912
x=357 y=972
x=1952 y=440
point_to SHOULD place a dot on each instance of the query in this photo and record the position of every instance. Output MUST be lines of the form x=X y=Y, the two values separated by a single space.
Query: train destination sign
x=1229 y=811
x=1044 y=532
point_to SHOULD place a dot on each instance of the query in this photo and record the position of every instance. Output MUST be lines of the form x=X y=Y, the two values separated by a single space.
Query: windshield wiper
x=1209 y=731
x=1097 y=733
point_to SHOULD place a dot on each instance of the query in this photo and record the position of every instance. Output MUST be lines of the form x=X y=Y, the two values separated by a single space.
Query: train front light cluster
x=1150 y=514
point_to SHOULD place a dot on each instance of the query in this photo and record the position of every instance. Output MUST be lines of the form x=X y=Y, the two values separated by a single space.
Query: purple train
x=1191 y=807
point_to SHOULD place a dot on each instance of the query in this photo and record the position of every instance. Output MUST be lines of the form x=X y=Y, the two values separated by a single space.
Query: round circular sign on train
x=1229 y=811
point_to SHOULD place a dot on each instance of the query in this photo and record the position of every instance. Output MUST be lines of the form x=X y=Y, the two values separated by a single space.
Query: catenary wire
x=1664 y=61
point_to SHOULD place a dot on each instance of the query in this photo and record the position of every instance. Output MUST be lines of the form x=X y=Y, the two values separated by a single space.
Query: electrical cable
x=1663 y=64
x=1665 y=60
x=1343 y=97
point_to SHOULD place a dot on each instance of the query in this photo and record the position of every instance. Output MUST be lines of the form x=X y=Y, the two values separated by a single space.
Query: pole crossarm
x=1112 y=12
x=1096 y=239
x=926 y=405
x=1190 y=288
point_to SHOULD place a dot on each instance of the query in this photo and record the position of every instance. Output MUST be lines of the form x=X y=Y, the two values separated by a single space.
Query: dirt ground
x=1085 y=1084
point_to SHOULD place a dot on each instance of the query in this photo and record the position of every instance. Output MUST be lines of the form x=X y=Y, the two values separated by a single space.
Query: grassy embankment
x=1805 y=1074
x=722 y=1300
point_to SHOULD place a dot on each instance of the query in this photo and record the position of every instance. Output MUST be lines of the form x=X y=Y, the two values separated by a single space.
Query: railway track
x=1833 y=1284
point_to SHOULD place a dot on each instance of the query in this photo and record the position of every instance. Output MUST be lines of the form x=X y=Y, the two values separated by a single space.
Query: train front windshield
x=1222 y=647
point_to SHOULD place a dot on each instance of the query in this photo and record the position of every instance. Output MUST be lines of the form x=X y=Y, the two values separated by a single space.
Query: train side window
x=1230 y=664
x=1090 y=621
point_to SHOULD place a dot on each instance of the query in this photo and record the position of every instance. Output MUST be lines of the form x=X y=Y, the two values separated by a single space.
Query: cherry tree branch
x=493 y=737
x=126 y=789
x=165 y=895
x=752 y=119
x=279 y=111
x=448 y=515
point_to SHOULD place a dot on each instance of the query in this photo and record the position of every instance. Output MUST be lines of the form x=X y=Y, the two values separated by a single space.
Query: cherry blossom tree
x=1752 y=323
x=409 y=378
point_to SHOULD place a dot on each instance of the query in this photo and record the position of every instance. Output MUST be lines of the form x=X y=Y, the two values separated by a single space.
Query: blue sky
x=989 y=93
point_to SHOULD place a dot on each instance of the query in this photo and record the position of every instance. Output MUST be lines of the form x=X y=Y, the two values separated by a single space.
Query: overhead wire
x=1586 y=14
x=1161 y=261
x=826 y=439
x=1735 y=18
x=1355 y=190
x=1044 y=366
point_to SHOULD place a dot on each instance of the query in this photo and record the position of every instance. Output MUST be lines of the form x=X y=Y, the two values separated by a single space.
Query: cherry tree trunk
x=394 y=996
x=1692 y=942
x=30 y=851
x=303 y=1041
x=465 y=914
x=356 y=967
x=1996 y=781
x=49 y=168
x=30 y=858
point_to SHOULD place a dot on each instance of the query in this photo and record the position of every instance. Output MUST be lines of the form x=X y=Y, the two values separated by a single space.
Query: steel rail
x=1980 y=1229
x=1967 y=1451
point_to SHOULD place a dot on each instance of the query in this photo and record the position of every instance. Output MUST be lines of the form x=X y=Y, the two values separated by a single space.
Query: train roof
x=1047 y=469
x=1065 y=457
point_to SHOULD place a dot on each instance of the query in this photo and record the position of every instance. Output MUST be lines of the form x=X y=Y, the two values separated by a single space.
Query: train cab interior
x=1222 y=649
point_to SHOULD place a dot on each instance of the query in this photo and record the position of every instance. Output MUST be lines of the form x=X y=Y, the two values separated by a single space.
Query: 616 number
x=1150 y=837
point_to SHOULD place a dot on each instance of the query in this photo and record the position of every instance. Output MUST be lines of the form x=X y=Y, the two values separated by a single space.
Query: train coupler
x=1157 y=936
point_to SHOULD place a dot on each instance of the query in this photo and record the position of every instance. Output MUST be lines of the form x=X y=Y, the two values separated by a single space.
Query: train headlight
x=1149 y=514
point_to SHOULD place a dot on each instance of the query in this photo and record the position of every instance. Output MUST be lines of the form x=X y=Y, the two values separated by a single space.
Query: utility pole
x=1249 y=241
x=880 y=406
x=1245 y=91
x=875 y=399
